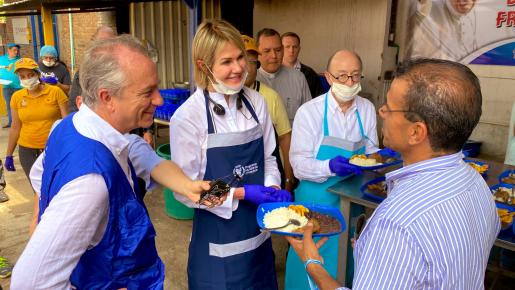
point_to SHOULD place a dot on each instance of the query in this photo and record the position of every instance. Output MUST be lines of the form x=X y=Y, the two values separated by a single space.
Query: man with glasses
x=289 y=83
x=326 y=132
x=437 y=225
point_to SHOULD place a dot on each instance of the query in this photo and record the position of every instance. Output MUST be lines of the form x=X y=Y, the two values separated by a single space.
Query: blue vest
x=126 y=256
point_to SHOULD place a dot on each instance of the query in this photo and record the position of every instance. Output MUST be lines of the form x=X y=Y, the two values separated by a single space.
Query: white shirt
x=308 y=132
x=188 y=138
x=291 y=85
x=75 y=219
x=440 y=32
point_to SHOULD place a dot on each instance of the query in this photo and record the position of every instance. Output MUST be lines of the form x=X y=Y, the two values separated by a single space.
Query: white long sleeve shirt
x=308 y=132
x=75 y=219
x=188 y=138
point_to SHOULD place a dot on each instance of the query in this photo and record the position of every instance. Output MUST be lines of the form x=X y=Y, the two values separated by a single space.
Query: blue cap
x=48 y=50
x=9 y=45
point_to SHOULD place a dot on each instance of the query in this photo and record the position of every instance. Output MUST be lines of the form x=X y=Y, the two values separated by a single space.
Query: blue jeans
x=8 y=92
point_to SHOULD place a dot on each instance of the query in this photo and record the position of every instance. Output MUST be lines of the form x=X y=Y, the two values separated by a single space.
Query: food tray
x=328 y=210
x=501 y=204
x=382 y=152
x=484 y=174
x=505 y=174
x=370 y=194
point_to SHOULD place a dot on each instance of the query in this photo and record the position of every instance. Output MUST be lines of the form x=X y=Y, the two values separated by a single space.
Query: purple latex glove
x=9 y=163
x=259 y=194
x=388 y=151
x=51 y=80
x=341 y=167
x=282 y=196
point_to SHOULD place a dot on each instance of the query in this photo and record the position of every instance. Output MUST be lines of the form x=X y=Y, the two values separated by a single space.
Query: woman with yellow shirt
x=34 y=109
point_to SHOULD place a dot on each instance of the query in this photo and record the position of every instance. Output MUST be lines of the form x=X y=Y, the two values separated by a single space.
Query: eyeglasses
x=386 y=109
x=343 y=78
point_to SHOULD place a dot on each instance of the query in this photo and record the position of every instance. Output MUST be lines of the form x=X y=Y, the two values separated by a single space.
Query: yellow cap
x=25 y=62
x=250 y=43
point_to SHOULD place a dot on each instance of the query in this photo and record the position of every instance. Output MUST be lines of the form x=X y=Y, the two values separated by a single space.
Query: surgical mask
x=344 y=93
x=49 y=63
x=222 y=88
x=30 y=84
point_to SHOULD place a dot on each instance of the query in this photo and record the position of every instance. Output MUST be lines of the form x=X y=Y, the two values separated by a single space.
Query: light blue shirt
x=433 y=231
x=7 y=71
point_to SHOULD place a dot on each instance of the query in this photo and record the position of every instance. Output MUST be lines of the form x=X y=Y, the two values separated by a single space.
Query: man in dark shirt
x=291 y=44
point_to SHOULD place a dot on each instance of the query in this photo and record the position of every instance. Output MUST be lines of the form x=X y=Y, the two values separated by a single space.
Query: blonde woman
x=34 y=109
x=224 y=129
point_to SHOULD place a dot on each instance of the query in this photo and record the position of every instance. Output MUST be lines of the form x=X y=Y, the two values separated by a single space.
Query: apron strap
x=326 y=126
x=210 y=127
x=247 y=104
x=361 y=130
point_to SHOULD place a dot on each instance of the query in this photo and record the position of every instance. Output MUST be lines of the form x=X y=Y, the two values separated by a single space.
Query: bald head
x=346 y=56
x=104 y=32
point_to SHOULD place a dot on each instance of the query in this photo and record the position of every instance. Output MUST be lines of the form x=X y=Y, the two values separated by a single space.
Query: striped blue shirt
x=434 y=231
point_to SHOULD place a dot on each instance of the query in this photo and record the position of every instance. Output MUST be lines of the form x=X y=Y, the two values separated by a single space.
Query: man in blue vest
x=10 y=81
x=94 y=230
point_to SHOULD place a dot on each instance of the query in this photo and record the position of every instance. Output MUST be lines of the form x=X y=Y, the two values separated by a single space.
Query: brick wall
x=84 y=26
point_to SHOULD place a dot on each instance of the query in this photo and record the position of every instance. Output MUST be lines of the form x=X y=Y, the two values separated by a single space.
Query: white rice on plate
x=364 y=161
x=280 y=216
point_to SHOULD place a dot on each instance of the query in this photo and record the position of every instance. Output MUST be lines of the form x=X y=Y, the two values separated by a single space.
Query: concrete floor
x=172 y=235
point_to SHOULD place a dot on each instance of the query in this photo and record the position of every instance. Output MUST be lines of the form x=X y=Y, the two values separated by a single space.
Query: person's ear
x=328 y=78
x=106 y=99
x=201 y=65
x=417 y=133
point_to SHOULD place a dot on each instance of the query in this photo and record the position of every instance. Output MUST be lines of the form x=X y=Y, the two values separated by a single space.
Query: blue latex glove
x=9 y=163
x=51 y=80
x=282 y=196
x=259 y=194
x=388 y=151
x=341 y=167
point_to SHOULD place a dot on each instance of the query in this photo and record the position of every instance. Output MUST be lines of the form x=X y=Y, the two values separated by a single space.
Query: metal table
x=349 y=191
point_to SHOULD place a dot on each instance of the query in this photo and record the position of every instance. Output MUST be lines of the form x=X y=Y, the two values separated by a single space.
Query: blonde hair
x=211 y=36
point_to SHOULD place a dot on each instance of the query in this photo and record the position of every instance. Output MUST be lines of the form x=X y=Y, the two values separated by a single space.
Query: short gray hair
x=101 y=68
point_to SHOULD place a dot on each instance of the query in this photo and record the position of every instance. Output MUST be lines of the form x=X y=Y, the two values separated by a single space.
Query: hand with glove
x=282 y=196
x=9 y=163
x=51 y=80
x=259 y=194
x=341 y=167
x=388 y=152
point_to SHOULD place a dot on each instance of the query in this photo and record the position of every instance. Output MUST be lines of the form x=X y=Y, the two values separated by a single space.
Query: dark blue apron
x=232 y=253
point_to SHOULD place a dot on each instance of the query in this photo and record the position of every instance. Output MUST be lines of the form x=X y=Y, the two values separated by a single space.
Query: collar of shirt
x=270 y=75
x=431 y=165
x=220 y=98
x=89 y=124
x=334 y=108
x=297 y=65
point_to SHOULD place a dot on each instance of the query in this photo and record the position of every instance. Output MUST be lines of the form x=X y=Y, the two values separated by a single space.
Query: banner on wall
x=468 y=31
x=20 y=30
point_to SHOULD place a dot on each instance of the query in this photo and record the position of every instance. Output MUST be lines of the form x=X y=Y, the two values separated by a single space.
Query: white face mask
x=344 y=93
x=49 y=63
x=30 y=83
x=224 y=89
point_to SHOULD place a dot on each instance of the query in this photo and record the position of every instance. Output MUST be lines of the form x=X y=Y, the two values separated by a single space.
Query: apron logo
x=241 y=170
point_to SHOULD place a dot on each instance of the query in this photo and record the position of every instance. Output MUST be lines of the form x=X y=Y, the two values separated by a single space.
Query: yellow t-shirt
x=37 y=114
x=276 y=109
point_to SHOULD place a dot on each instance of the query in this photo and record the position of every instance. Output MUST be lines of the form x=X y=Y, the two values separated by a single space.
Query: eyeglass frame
x=388 y=110
x=347 y=77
